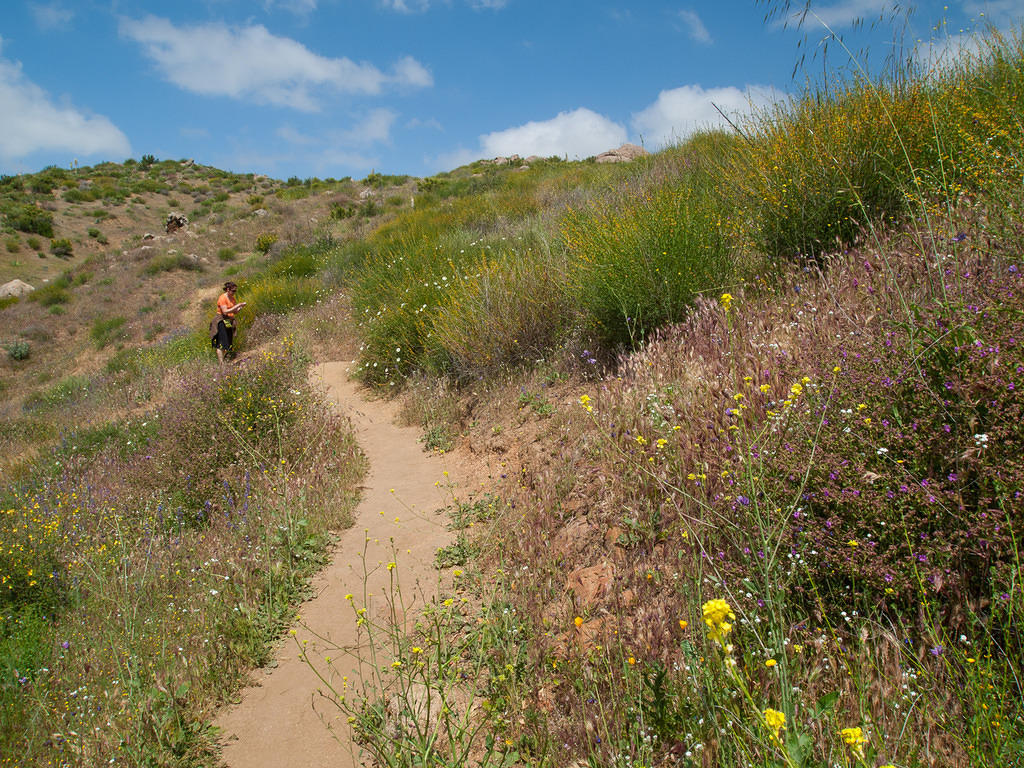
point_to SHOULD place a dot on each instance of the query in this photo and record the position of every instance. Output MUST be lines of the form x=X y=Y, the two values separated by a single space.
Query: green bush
x=28 y=218
x=34 y=243
x=511 y=313
x=171 y=262
x=12 y=244
x=61 y=248
x=93 y=232
x=636 y=265
x=53 y=293
x=265 y=241
x=106 y=330
x=19 y=350
x=226 y=254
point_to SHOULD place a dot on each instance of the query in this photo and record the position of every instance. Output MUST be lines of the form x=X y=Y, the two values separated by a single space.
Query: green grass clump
x=641 y=264
x=170 y=263
x=67 y=391
x=512 y=311
x=104 y=330
x=53 y=293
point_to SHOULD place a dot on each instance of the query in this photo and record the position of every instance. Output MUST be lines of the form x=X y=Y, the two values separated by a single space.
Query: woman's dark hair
x=229 y=285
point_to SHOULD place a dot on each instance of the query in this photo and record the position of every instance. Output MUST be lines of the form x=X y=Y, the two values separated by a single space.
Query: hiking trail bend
x=281 y=721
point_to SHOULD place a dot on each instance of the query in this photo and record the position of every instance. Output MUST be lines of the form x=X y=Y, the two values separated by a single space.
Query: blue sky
x=335 y=88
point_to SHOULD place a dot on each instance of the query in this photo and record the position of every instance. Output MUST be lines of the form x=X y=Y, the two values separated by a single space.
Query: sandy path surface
x=281 y=720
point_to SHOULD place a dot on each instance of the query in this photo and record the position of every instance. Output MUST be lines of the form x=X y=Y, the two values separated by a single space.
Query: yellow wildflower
x=776 y=721
x=726 y=300
x=770 y=663
x=715 y=614
x=854 y=739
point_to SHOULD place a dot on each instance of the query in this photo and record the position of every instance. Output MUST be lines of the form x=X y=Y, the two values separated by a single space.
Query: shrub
x=171 y=262
x=34 y=243
x=265 y=241
x=28 y=218
x=61 y=248
x=511 y=313
x=53 y=293
x=106 y=330
x=19 y=350
x=12 y=244
x=636 y=265
x=226 y=254
x=93 y=232
x=342 y=210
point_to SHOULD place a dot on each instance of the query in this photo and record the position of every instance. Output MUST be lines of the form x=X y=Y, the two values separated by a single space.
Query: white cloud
x=408 y=71
x=418 y=6
x=51 y=15
x=431 y=122
x=374 y=127
x=577 y=134
x=406 y=7
x=682 y=111
x=253 y=64
x=298 y=7
x=30 y=122
x=294 y=136
x=946 y=52
x=695 y=26
x=998 y=12
x=844 y=13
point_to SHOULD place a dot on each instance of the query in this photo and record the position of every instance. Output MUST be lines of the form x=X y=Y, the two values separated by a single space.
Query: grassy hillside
x=751 y=405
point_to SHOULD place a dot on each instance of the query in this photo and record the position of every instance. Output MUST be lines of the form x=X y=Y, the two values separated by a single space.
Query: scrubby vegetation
x=755 y=403
x=146 y=565
x=781 y=527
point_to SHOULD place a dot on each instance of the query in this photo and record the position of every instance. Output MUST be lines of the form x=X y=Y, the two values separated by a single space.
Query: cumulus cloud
x=678 y=113
x=844 y=13
x=579 y=133
x=30 y=121
x=695 y=26
x=51 y=15
x=253 y=64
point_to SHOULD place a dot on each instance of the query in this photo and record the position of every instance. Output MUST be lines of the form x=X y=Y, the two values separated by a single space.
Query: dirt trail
x=275 y=724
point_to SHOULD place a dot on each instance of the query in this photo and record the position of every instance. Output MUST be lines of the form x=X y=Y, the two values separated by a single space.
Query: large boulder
x=15 y=288
x=624 y=154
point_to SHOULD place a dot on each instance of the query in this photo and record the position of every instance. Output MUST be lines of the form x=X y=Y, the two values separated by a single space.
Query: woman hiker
x=222 y=328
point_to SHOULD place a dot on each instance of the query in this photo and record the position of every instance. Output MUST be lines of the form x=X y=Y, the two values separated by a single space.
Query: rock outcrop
x=624 y=154
x=15 y=288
